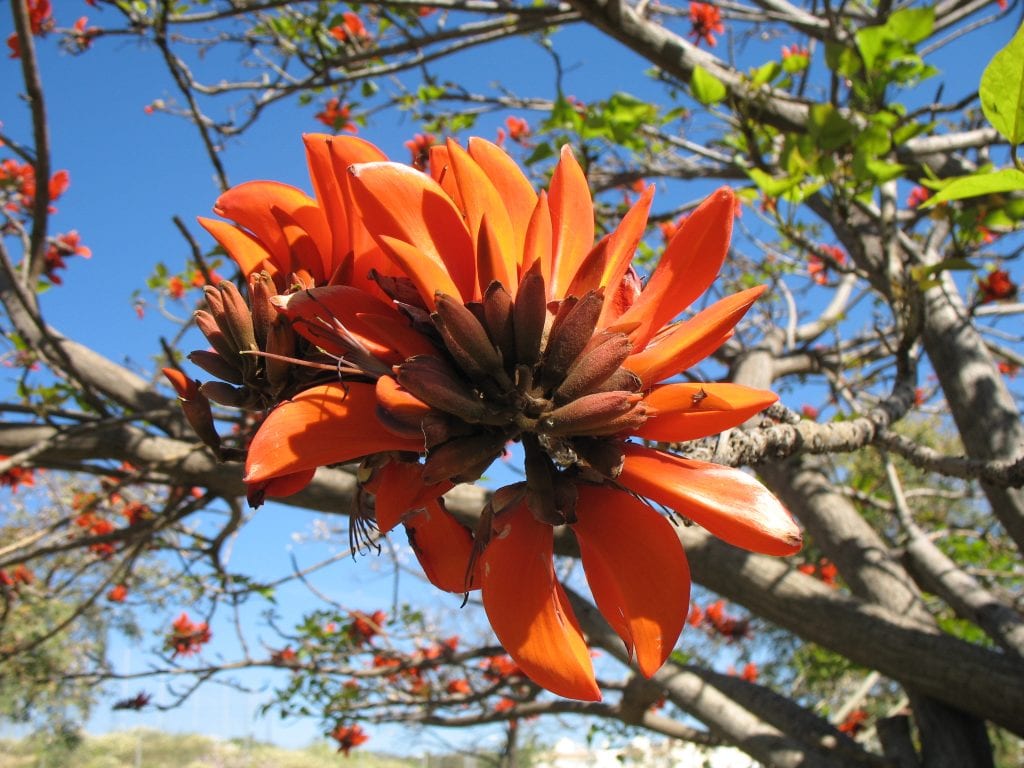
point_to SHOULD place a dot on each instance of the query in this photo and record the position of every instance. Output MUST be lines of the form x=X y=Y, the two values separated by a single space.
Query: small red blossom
x=118 y=594
x=518 y=128
x=15 y=477
x=789 y=51
x=60 y=247
x=809 y=412
x=504 y=705
x=706 y=20
x=336 y=116
x=854 y=722
x=285 y=657
x=419 y=145
x=351 y=29
x=83 y=34
x=364 y=628
x=917 y=196
x=1008 y=369
x=22 y=574
x=176 y=287
x=669 y=228
x=348 y=737
x=187 y=637
x=827 y=572
x=40 y=21
x=749 y=673
x=696 y=616
x=459 y=687
x=817 y=268
x=499 y=668
x=997 y=286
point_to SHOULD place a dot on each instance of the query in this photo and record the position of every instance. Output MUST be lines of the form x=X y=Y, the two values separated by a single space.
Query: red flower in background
x=118 y=594
x=817 y=268
x=997 y=286
x=854 y=722
x=40 y=21
x=351 y=29
x=336 y=116
x=187 y=637
x=706 y=20
x=917 y=196
x=419 y=145
x=348 y=737
x=16 y=477
x=366 y=627
x=61 y=247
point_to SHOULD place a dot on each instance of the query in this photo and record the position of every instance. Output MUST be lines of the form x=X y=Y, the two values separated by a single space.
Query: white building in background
x=643 y=753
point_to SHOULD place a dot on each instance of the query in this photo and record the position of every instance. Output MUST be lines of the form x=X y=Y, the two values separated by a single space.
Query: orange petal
x=254 y=204
x=528 y=609
x=637 y=571
x=328 y=158
x=688 y=411
x=328 y=424
x=399 y=202
x=444 y=547
x=513 y=187
x=286 y=485
x=376 y=324
x=248 y=252
x=427 y=275
x=729 y=503
x=572 y=219
x=621 y=247
x=687 y=268
x=481 y=199
x=537 y=246
x=400 y=489
x=687 y=343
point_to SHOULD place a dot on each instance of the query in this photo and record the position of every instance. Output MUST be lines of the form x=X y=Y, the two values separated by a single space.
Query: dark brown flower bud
x=463 y=459
x=280 y=341
x=571 y=330
x=600 y=360
x=221 y=342
x=530 y=316
x=264 y=314
x=498 y=320
x=438 y=385
x=237 y=321
x=215 y=365
x=225 y=394
x=466 y=338
x=589 y=414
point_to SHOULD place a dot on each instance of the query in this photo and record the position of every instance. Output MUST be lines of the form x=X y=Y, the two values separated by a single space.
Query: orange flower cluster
x=15 y=477
x=18 y=185
x=824 y=569
x=364 y=628
x=337 y=116
x=351 y=29
x=40 y=20
x=187 y=637
x=817 y=268
x=19 y=576
x=60 y=247
x=917 y=196
x=348 y=737
x=421 y=322
x=996 y=286
x=714 y=619
x=706 y=20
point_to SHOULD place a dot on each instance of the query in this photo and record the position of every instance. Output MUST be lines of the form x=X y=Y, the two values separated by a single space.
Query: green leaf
x=1006 y=180
x=829 y=129
x=706 y=88
x=766 y=73
x=911 y=25
x=1002 y=90
x=771 y=186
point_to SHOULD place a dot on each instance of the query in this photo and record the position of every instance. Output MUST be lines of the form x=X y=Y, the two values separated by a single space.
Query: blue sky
x=131 y=171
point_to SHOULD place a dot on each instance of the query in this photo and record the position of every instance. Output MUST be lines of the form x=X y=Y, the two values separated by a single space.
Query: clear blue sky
x=130 y=172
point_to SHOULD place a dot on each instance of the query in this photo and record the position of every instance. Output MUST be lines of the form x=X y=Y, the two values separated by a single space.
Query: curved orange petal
x=637 y=571
x=680 y=412
x=537 y=245
x=374 y=323
x=444 y=547
x=328 y=424
x=729 y=503
x=687 y=343
x=429 y=277
x=398 y=489
x=283 y=485
x=248 y=252
x=513 y=187
x=257 y=205
x=687 y=268
x=328 y=158
x=399 y=202
x=481 y=202
x=572 y=219
x=621 y=248
x=528 y=609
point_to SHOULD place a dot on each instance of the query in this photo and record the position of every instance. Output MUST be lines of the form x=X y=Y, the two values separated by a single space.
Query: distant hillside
x=145 y=748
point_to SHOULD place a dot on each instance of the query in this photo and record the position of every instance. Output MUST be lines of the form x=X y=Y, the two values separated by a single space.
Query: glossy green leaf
x=1006 y=180
x=1002 y=90
x=706 y=88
